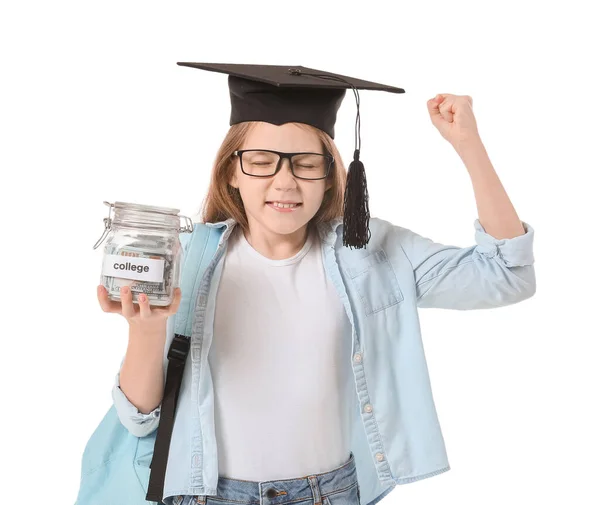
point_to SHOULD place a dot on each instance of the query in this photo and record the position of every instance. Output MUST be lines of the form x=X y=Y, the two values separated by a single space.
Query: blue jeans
x=336 y=487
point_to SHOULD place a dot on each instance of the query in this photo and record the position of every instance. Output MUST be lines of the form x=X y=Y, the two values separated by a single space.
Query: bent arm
x=492 y=273
x=139 y=385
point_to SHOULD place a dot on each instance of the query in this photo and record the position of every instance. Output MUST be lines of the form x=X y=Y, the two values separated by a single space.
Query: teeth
x=284 y=205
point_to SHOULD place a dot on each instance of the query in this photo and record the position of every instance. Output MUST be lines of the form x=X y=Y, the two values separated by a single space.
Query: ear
x=329 y=184
x=233 y=181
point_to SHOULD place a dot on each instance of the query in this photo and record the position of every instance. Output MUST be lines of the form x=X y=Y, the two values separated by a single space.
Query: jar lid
x=146 y=208
x=188 y=228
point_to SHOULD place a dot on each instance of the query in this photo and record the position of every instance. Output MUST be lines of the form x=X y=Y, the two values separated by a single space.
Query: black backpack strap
x=203 y=240
x=177 y=356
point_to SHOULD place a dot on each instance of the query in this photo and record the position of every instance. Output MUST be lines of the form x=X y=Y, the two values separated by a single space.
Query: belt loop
x=201 y=499
x=312 y=480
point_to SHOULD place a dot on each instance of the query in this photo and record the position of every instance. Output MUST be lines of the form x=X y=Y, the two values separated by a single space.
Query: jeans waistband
x=286 y=491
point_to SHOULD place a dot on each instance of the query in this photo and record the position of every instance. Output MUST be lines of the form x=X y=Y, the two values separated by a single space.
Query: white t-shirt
x=280 y=362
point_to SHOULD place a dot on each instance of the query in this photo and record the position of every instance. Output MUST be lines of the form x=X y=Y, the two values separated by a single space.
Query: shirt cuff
x=136 y=422
x=512 y=252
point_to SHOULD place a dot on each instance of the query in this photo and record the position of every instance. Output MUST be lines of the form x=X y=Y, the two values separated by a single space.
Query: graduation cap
x=281 y=94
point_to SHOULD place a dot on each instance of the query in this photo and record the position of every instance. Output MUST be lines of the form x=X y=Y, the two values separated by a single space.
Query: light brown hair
x=223 y=201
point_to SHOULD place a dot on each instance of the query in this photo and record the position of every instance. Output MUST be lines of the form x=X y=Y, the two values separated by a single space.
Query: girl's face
x=283 y=186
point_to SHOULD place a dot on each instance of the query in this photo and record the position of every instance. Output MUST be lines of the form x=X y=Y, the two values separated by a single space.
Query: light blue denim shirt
x=397 y=437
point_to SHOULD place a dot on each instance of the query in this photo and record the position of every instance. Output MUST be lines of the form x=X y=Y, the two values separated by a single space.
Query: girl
x=307 y=369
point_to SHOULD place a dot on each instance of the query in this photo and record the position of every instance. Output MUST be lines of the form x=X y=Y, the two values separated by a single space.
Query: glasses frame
x=283 y=155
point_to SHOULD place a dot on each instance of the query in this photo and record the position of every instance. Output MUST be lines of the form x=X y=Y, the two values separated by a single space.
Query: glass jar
x=142 y=251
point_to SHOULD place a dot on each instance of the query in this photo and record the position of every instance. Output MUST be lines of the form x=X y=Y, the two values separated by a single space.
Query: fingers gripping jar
x=142 y=251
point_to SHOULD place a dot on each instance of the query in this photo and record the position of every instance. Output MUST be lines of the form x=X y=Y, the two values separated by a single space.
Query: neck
x=276 y=246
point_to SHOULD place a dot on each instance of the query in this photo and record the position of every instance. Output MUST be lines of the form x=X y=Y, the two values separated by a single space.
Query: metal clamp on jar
x=142 y=251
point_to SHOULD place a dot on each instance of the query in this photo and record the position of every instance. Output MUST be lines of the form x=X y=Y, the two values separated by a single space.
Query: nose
x=285 y=178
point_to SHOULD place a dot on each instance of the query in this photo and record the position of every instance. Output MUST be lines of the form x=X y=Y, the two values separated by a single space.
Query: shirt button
x=379 y=456
x=358 y=357
x=368 y=408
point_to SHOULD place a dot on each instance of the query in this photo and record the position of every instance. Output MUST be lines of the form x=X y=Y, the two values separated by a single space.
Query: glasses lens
x=259 y=162
x=310 y=166
x=264 y=163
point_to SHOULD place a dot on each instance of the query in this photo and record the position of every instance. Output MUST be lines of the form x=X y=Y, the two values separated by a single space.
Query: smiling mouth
x=285 y=206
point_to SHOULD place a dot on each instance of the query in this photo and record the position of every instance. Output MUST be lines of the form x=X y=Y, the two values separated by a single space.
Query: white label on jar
x=130 y=267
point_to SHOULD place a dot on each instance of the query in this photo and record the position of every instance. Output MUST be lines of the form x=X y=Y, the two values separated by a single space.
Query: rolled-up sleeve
x=492 y=273
x=136 y=422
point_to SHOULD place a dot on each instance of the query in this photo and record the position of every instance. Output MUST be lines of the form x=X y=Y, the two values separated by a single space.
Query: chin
x=284 y=228
x=281 y=223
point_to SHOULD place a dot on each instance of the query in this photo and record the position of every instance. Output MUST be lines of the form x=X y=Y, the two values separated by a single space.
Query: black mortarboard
x=281 y=94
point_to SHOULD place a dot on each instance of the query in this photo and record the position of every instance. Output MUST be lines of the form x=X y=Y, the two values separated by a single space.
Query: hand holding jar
x=140 y=314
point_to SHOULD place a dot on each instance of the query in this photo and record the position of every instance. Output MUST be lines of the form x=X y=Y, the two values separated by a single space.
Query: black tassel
x=356 y=196
x=356 y=206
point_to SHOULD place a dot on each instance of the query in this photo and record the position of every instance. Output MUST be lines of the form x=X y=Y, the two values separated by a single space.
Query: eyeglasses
x=266 y=163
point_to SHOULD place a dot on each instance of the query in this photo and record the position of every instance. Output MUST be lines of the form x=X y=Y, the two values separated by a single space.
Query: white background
x=94 y=107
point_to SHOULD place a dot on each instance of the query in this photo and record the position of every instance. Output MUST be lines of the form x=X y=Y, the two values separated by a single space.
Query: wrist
x=142 y=332
x=468 y=145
